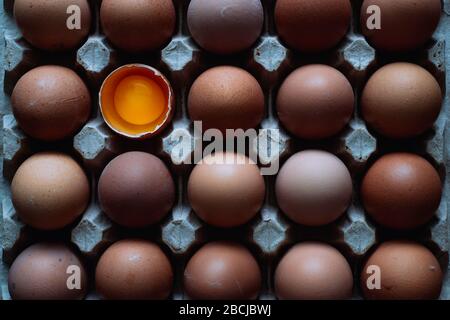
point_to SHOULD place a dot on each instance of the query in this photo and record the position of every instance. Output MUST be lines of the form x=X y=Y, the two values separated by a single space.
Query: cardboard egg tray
x=270 y=233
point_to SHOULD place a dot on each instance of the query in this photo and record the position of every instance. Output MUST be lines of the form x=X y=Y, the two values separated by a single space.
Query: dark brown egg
x=45 y=24
x=314 y=188
x=401 y=191
x=47 y=271
x=138 y=25
x=315 y=102
x=51 y=103
x=401 y=100
x=226 y=189
x=313 y=271
x=134 y=270
x=226 y=98
x=225 y=26
x=136 y=189
x=403 y=270
x=222 y=271
x=49 y=191
x=404 y=24
x=312 y=26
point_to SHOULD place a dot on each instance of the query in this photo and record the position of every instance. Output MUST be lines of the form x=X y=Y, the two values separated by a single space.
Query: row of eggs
x=230 y=26
x=314 y=188
x=400 y=100
x=139 y=269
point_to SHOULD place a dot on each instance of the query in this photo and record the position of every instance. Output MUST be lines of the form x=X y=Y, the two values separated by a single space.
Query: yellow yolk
x=139 y=100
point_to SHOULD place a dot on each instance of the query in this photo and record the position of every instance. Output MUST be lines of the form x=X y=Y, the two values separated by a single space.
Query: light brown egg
x=138 y=25
x=226 y=97
x=404 y=24
x=313 y=271
x=315 y=102
x=47 y=271
x=401 y=100
x=406 y=270
x=226 y=189
x=49 y=191
x=136 y=189
x=222 y=271
x=312 y=26
x=45 y=23
x=314 y=188
x=51 y=103
x=401 y=191
x=134 y=270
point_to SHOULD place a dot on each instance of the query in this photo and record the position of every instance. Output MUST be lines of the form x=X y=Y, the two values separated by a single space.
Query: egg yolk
x=139 y=100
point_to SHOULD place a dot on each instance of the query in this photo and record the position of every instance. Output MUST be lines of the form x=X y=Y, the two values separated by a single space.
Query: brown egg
x=226 y=189
x=401 y=191
x=47 y=271
x=138 y=25
x=222 y=271
x=51 y=103
x=406 y=270
x=313 y=271
x=134 y=270
x=225 y=26
x=136 y=190
x=312 y=26
x=45 y=23
x=404 y=24
x=313 y=188
x=226 y=98
x=49 y=191
x=315 y=102
x=401 y=100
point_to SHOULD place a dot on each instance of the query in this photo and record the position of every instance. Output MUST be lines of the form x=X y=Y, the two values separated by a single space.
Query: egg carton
x=270 y=233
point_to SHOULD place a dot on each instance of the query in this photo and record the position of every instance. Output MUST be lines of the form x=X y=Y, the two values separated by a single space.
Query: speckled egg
x=47 y=271
x=53 y=25
x=51 y=103
x=226 y=97
x=134 y=269
x=401 y=270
